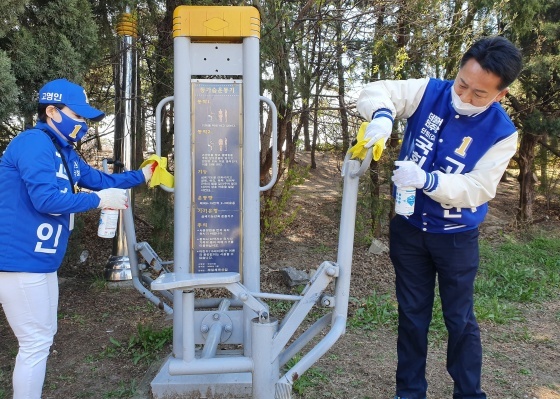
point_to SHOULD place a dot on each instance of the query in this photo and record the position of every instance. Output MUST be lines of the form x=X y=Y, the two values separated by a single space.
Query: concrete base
x=206 y=386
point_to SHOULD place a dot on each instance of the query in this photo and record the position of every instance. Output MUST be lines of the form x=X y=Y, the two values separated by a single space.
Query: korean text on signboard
x=217 y=192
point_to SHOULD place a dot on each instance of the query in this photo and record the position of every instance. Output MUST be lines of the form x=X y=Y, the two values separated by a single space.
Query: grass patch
x=438 y=331
x=491 y=308
x=513 y=272
x=99 y=283
x=322 y=249
x=312 y=377
x=145 y=345
x=519 y=271
x=123 y=391
x=278 y=308
x=374 y=311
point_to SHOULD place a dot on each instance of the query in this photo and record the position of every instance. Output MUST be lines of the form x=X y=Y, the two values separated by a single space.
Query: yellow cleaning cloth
x=359 y=151
x=160 y=175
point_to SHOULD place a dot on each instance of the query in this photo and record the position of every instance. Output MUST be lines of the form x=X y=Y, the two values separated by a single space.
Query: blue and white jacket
x=36 y=199
x=467 y=154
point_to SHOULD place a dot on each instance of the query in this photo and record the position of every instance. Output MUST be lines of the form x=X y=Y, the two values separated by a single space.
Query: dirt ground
x=521 y=360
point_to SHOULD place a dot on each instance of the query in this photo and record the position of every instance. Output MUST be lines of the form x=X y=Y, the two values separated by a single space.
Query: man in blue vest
x=460 y=141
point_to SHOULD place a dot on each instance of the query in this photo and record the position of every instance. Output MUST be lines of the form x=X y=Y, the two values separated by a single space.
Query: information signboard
x=217 y=176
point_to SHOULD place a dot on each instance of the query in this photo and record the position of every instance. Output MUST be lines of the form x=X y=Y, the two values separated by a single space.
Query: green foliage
x=549 y=177
x=374 y=311
x=277 y=212
x=374 y=201
x=438 y=331
x=322 y=249
x=491 y=308
x=99 y=283
x=402 y=59
x=511 y=272
x=40 y=41
x=160 y=216
x=523 y=13
x=486 y=309
x=311 y=378
x=519 y=271
x=279 y=308
x=11 y=11
x=53 y=39
x=123 y=391
x=363 y=231
x=327 y=147
x=8 y=88
x=145 y=345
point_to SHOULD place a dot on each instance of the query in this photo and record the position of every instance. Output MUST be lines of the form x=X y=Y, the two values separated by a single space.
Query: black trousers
x=418 y=257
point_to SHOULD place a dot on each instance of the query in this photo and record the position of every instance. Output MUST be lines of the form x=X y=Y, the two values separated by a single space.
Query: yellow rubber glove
x=160 y=175
x=359 y=151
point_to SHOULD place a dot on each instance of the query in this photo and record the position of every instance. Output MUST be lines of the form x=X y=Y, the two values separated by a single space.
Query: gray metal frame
x=201 y=363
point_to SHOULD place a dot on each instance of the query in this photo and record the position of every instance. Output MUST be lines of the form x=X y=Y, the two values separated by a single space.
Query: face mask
x=467 y=109
x=70 y=128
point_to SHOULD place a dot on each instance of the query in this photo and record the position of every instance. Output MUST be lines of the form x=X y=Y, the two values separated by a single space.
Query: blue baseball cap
x=62 y=91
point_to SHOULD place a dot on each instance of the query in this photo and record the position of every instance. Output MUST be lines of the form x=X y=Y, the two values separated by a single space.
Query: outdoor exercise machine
x=230 y=347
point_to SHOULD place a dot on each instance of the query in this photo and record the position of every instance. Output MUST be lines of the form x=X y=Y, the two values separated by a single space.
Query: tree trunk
x=543 y=164
x=526 y=180
x=315 y=131
x=266 y=152
x=341 y=84
x=97 y=138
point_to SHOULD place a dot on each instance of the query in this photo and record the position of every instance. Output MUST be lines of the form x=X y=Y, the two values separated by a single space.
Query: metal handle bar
x=159 y=107
x=272 y=182
x=363 y=167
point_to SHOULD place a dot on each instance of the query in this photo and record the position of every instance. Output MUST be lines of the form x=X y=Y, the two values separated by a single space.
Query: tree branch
x=549 y=148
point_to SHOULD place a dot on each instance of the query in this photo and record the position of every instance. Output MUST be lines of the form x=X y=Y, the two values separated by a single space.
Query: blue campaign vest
x=439 y=139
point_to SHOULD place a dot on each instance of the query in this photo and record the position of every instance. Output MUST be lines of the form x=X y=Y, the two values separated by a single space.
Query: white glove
x=113 y=198
x=408 y=174
x=379 y=128
x=148 y=171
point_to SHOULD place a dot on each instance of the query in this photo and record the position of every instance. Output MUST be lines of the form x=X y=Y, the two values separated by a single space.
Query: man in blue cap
x=40 y=172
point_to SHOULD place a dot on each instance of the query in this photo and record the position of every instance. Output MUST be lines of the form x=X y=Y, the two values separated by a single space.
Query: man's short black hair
x=497 y=55
x=42 y=110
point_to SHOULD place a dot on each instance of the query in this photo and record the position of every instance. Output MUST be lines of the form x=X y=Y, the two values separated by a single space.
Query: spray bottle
x=108 y=221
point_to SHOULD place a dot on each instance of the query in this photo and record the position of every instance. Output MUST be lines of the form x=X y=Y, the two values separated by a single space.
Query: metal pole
x=265 y=369
x=182 y=214
x=251 y=179
x=125 y=130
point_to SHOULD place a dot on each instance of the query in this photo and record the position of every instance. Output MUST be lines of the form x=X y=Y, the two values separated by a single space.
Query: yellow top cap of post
x=209 y=23
x=126 y=26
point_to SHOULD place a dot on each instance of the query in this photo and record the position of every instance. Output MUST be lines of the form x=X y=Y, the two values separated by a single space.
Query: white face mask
x=467 y=109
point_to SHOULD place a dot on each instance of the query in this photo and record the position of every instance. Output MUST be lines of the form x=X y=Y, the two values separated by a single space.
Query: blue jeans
x=418 y=257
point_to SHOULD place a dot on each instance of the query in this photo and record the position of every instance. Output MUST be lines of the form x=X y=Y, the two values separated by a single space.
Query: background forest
x=315 y=56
